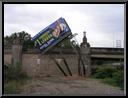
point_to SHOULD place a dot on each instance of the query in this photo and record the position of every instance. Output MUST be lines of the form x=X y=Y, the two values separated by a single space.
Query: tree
x=65 y=44
x=24 y=38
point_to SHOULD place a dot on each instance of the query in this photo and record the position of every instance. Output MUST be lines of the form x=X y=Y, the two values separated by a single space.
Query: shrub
x=119 y=78
x=110 y=81
x=14 y=72
x=103 y=72
x=111 y=75
x=12 y=87
x=14 y=78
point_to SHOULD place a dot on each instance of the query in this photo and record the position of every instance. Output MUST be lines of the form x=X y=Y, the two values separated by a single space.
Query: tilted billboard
x=52 y=35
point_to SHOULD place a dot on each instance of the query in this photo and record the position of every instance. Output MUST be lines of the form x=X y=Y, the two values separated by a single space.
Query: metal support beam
x=65 y=62
x=67 y=67
x=58 y=65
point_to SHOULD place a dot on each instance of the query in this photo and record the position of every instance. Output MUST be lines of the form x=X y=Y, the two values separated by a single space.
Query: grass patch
x=109 y=81
x=113 y=82
x=15 y=86
x=14 y=79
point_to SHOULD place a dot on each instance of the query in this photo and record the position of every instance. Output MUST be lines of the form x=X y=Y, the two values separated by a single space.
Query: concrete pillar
x=86 y=55
x=16 y=54
x=16 y=51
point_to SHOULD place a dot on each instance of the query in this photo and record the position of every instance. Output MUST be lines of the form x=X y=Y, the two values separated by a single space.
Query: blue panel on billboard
x=51 y=35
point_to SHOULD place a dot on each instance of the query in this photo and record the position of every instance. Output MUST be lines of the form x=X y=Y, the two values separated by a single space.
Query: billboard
x=52 y=35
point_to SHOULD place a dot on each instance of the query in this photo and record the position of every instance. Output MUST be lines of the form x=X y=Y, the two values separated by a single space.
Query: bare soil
x=74 y=86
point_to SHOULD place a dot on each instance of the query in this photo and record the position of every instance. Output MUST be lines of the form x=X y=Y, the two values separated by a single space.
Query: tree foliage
x=24 y=38
x=64 y=44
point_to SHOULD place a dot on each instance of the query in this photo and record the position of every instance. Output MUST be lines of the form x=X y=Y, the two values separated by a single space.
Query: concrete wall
x=7 y=59
x=47 y=66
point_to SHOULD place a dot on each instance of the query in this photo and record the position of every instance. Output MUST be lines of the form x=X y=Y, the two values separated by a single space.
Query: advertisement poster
x=52 y=35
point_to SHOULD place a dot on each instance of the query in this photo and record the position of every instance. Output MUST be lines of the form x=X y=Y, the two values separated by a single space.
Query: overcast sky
x=104 y=23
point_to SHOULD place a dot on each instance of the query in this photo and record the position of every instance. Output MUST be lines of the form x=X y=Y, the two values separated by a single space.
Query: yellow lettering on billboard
x=43 y=38
x=37 y=42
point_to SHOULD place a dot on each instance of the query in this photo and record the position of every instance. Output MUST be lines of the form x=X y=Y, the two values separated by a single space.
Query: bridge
x=103 y=52
x=103 y=55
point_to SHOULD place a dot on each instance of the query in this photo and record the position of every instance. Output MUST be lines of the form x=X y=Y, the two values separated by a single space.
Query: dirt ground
x=71 y=86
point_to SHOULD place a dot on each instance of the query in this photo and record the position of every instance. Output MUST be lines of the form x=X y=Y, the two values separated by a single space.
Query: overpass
x=103 y=55
x=103 y=52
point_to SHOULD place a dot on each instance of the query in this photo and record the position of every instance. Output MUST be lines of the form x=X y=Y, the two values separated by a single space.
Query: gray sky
x=104 y=23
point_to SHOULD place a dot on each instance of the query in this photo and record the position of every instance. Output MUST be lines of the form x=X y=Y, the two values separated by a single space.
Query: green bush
x=14 y=72
x=14 y=78
x=103 y=72
x=119 y=78
x=12 y=87
x=110 y=81
x=111 y=75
